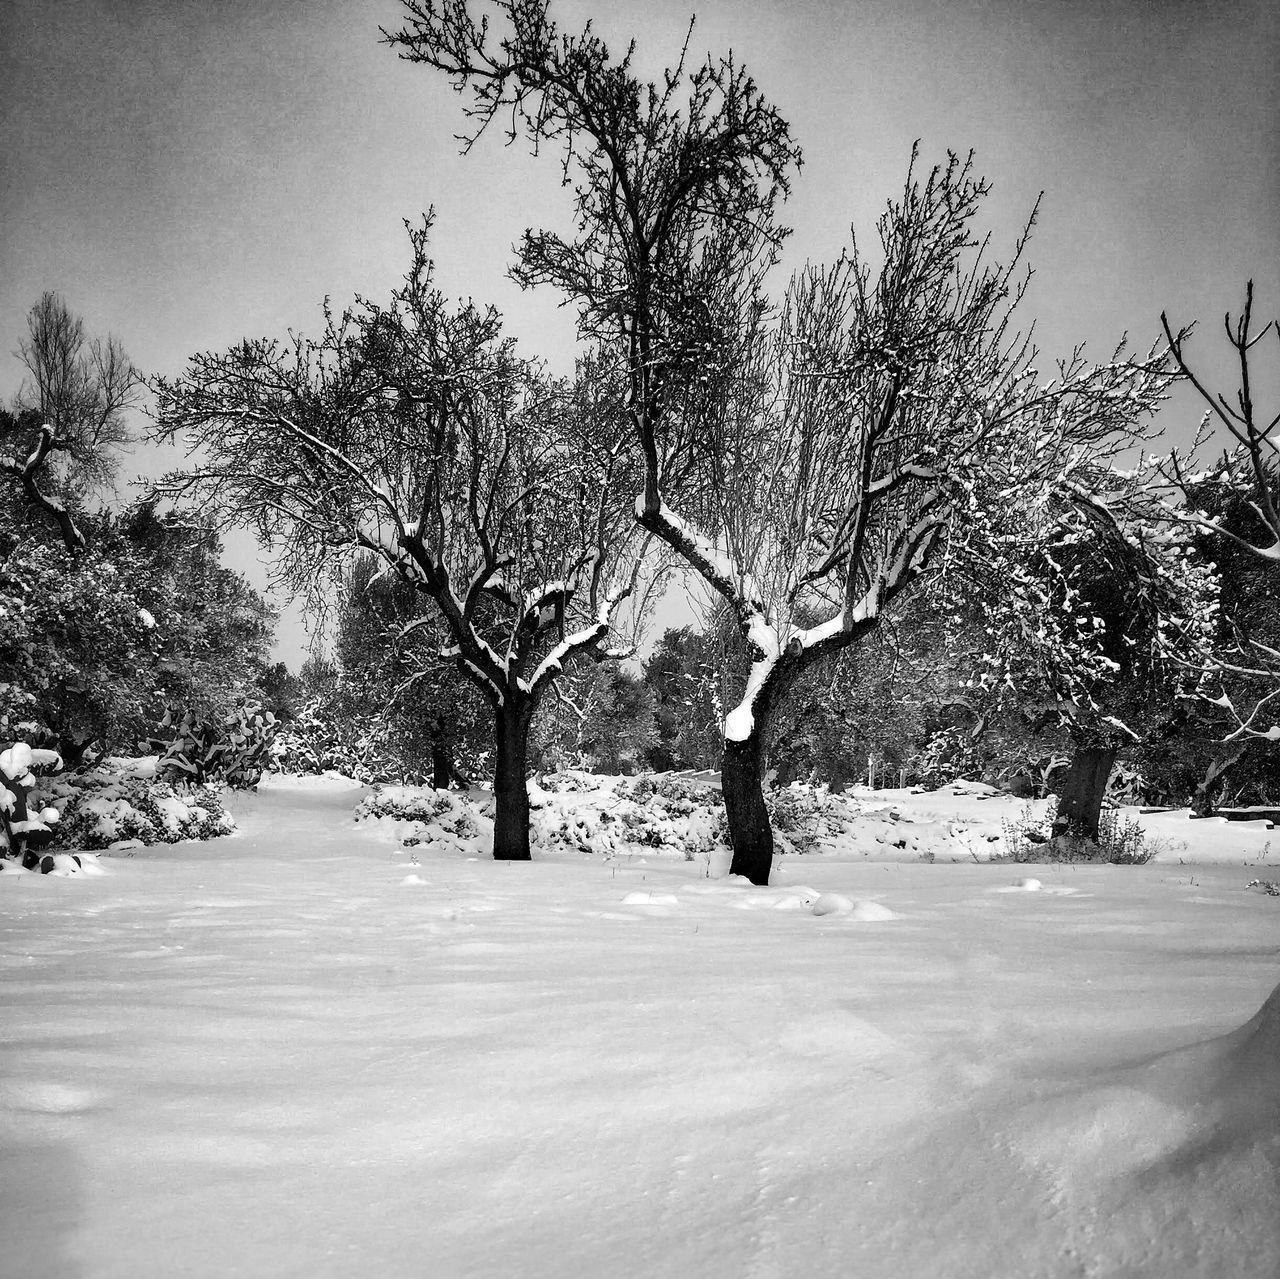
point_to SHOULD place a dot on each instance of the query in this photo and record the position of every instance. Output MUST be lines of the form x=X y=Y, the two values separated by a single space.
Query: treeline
x=914 y=708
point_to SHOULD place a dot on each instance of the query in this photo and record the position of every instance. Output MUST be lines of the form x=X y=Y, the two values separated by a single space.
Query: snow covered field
x=307 y=1051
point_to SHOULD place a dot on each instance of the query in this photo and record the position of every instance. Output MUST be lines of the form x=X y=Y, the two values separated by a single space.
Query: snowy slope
x=302 y=1052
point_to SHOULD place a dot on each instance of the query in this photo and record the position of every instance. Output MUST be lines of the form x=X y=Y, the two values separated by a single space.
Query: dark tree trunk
x=1083 y=788
x=510 y=789
x=442 y=770
x=749 y=830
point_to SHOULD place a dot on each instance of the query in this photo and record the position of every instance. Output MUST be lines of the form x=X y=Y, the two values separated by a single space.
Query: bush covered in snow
x=446 y=809
x=803 y=815
x=105 y=807
x=329 y=735
x=27 y=819
x=94 y=809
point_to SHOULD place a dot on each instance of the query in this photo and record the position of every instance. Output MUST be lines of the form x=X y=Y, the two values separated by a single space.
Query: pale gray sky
x=187 y=173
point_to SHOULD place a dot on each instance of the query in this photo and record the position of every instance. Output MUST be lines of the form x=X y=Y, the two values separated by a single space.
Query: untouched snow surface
x=307 y=1051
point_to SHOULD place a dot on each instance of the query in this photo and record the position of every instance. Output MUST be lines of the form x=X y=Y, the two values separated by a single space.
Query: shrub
x=27 y=821
x=103 y=808
x=235 y=750
x=802 y=815
x=328 y=736
x=1030 y=838
x=441 y=808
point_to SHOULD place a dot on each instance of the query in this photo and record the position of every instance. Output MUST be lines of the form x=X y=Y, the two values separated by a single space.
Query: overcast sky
x=188 y=173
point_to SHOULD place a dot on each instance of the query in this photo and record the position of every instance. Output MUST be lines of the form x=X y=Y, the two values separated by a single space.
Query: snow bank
x=312 y=1051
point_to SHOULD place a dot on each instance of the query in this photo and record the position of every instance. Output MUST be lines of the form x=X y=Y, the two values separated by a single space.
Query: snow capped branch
x=739 y=724
x=579 y=641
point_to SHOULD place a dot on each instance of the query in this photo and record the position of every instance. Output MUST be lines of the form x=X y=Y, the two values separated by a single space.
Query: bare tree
x=1251 y=463
x=822 y=464
x=1235 y=498
x=412 y=431
x=70 y=423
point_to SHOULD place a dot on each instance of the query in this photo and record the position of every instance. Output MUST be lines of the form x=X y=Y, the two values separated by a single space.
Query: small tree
x=414 y=433
x=70 y=422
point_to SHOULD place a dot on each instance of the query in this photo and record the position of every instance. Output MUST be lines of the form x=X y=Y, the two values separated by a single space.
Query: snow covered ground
x=307 y=1051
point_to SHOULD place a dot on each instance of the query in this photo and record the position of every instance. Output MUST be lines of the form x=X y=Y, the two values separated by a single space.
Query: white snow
x=307 y=1051
x=740 y=721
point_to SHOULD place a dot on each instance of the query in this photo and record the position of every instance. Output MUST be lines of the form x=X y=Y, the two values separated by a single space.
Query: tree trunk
x=442 y=769
x=749 y=829
x=510 y=789
x=1083 y=788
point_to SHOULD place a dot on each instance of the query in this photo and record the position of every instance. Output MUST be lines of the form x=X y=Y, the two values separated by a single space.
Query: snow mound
x=1164 y=1145
x=41 y=1096
x=871 y=913
x=809 y=901
x=55 y=865
x=832 y=904
x=651 y=899
x=1253 y=1059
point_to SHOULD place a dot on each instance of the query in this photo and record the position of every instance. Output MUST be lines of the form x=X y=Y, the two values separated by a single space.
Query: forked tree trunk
x=1083 y=789
x=510 y=788
x=741 y=781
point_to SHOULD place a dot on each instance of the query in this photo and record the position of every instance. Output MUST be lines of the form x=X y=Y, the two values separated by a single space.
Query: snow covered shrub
x=446 y=809
x=1121 y=841
x=674 y=811
x=1126 y=785
x=102 y=808
x=26 y=821
x=328 y=735
x=235 y=750
x=1035 y=836
x=802 y=815
x=434 y=816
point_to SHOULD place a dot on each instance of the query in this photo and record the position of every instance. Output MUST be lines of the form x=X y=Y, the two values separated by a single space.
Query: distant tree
x=387 y=650
x=214 y=629
x=617 y=730
x=280 y=691
x=819 y=464
x=686 y=671
x=77 y=645
x=63 y=440
x=1250 y=465
x=1235 y=500
x=1221 y=740
x=413 y=432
